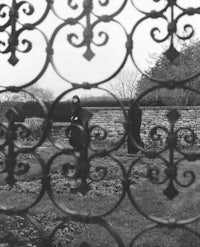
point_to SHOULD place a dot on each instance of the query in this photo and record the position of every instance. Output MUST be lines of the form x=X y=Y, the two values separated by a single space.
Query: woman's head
x=75 y=99
x=76 y=104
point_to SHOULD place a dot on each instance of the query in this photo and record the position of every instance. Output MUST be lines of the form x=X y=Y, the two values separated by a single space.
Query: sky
x=70 y=61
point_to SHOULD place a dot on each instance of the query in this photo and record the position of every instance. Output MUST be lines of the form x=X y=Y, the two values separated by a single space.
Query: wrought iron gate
x=14 y=162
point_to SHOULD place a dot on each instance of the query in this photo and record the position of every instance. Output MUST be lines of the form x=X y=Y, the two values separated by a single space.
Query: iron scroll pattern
x=82 y=170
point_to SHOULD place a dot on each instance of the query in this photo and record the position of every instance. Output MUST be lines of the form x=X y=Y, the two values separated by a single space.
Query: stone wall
x=112 y=118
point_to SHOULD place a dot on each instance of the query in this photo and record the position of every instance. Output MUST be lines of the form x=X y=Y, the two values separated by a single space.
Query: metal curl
x=105 y=37
x=104 y=3
x=146 y=13
x=171 y=52
x=13 y=126
x=26 y=131
x=157 y=139
x=111 y=16
x=98 y=174
x=154 y=130
x=4 y=44
x=76 y=21
x=72 y=212
x=41 y=192
x=186 y=174
x=15 y=32
x=153 y=35
x=25 y=42
x=72 y=36
x=69 y=170
x=88 y=30
x=117 y=145
x=44 y=15
x=153 y=175
x=98 y=131
x=72 y=5
x=3 y=13
x=21 y=168
x=30 y=10
x=46 y=62
x=188 y=135
x=186 y=28
x=28 y=46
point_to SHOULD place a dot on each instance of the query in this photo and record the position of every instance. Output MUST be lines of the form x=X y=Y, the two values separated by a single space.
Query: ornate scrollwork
x=14 y=35
x=4 y=14
x=29 y=10
x=172 y=22
x=72 y=4
x=186 y=136
x=104 y=2
x=13 y=39
x=88 y=37
x=79 y=172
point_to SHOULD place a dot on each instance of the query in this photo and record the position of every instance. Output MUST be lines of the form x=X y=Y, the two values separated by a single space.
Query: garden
x=102 y=196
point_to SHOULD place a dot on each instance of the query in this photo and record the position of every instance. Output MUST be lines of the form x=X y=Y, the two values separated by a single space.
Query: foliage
x=32 y=109
x=102 y=101
x=186 y=65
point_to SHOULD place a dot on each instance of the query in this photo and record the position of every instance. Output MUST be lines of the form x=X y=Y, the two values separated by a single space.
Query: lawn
x=125 y=219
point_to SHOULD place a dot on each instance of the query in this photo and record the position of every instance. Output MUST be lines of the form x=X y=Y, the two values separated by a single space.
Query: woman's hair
x=76 y=106
x=76 y=97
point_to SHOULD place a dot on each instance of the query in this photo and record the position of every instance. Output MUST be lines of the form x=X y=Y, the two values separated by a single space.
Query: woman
x=75 y=134
x=134 y=119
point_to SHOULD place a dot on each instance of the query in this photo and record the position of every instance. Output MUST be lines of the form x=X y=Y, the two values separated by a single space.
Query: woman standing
x=134 y=119
x=80 y=117
x=75 y=134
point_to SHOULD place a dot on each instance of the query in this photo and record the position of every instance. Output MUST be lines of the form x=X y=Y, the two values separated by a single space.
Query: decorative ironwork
x=79 y=166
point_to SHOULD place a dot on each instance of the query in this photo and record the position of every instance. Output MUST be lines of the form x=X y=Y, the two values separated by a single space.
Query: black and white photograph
x=99 y=123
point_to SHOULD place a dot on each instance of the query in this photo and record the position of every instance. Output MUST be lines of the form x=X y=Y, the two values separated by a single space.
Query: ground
x=125 y=219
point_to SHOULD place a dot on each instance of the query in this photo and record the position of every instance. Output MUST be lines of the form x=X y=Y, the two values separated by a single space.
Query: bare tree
x=124 y=85
x=44 y=94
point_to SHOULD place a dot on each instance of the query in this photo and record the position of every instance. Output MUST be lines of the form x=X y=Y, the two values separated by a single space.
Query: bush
x=151 y=102
x=31 y=109
x=62 y=112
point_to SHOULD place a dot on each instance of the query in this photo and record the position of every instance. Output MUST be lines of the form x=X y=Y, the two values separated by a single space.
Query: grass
x=125 y=220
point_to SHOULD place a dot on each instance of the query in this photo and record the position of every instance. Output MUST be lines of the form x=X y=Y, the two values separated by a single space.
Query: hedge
x=62 y=112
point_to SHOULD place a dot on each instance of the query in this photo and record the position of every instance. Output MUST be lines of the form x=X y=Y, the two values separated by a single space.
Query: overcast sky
x=70 y=61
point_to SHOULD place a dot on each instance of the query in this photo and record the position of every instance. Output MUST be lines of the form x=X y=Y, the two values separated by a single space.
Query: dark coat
x=75 y=133
x=134 y=119
x=80 y=117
